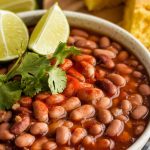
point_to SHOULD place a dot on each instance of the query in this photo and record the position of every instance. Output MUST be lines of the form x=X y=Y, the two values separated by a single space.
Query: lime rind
x=50 y=30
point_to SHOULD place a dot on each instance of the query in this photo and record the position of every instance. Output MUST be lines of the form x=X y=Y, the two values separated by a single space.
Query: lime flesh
x=13 y=36
x=50 y=30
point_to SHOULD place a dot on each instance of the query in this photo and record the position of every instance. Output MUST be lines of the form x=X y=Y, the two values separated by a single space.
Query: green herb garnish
x=37 y=74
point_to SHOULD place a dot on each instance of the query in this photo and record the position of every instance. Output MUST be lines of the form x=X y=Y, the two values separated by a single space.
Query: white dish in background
x=115 y=32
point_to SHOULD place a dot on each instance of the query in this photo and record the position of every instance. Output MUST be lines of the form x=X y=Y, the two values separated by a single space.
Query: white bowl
x=115 y=32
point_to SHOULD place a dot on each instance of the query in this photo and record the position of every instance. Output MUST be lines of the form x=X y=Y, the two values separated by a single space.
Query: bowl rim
x=141 y=141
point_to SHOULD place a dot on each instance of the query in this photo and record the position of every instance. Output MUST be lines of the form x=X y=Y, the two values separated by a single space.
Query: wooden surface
x=112 y=14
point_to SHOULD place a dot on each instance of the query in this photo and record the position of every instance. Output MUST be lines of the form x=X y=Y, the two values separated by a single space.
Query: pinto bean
x=126 y=105
x=104 y=102
x=5 y=116
x=115 y=128
x=133 y=63
x=71 y=40
x=88 y=94
x=78 y=135
x=137 y=74
x=73 y=72
x=66 y=148
x=79 y=32
x=66 y=64
x=24 y=140
x=106 y=62
x=98 y=52
x=122 y=118
x=38 y=143
x=88 y=58
x=93 y=38
x=104 y=42
x=86 y=44
x=50 y=145
x=39 y=128
x=116 y=45
x=42 y=96
x=54 y=125
x=91 y=44
x=68 y=124
x=86 y=51
x=88 y=122
x=139 y=129
x=57 y=112
x=117 y=79
x=5 y=133
x=71 y=104
x=55 y=99
x=76 y=38
x=107 y=86
x=88 y=140
x=113 y=49
x=83 y=112
x=139 y=112
x=72 y=86
x=70 y=90
x=136 y=99
x=25 y=101
x=104 y=116
x=116 y=111
x=123 y=95
x=62 y=135
x=23 y=110
x=105 y=144
x=96 y=129
x=84 y=85
x=140 y=67
x=144 y=89
x=88 y=70
x=123 y=69
x=100 y=73
x=2 y=147
x=40 y=111
x=21 y=125
x=123 y=55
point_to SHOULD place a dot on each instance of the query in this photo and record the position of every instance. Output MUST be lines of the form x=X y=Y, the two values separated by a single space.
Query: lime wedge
x=13 y=36
x=17 y=5
x=50 y=30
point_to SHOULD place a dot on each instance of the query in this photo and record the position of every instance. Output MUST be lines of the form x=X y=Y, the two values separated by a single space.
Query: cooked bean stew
x=104 y=106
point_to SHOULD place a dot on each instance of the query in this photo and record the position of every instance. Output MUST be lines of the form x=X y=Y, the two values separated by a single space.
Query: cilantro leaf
x=57 y=80
x=63 y=51
x=32 y=69
x=9 y=93
x=2 y=77
x=30 y=85
x=32 y=63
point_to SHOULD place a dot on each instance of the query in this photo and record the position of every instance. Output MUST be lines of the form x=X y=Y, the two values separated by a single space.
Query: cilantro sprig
x=57 y=77
x=37 y=74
